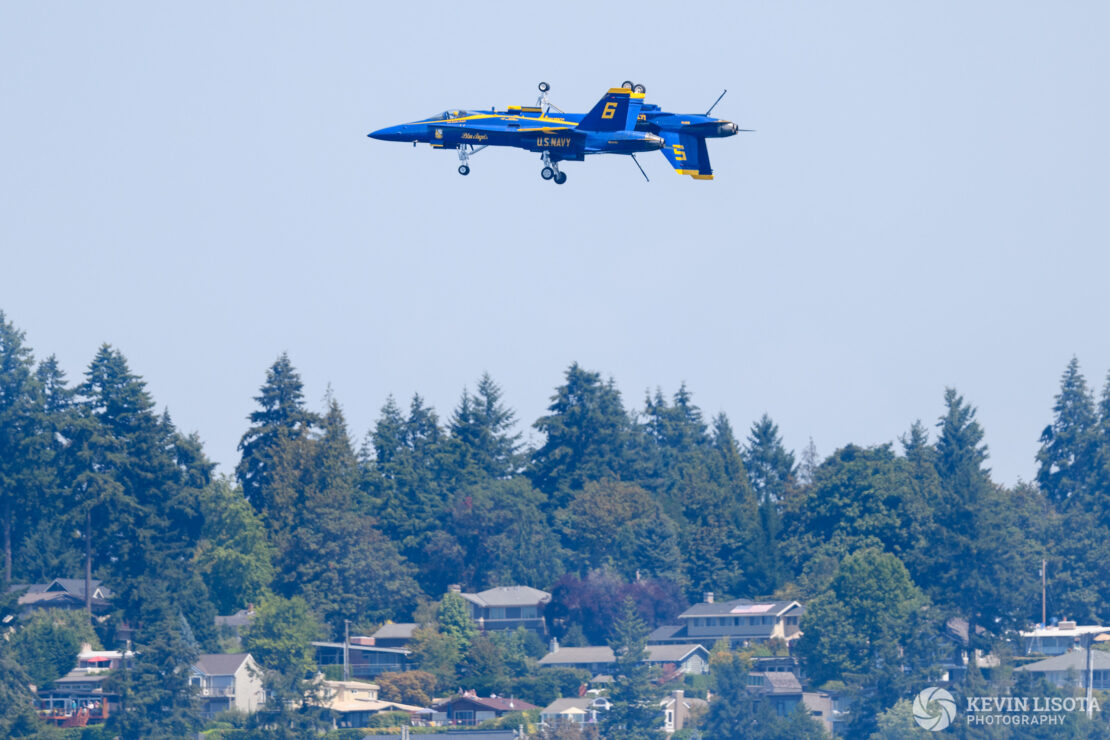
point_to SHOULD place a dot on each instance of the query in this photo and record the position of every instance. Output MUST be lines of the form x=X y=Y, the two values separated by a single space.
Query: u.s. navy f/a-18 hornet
x=620 y=123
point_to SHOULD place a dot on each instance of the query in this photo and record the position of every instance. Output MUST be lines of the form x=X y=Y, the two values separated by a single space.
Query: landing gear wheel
x=627 y=84
x=639 y=89
x=464 y=169
x=544 y=87
x=547 y=173
x=560 y=178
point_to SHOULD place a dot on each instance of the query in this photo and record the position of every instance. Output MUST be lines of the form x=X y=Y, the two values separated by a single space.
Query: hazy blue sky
x=925 y=204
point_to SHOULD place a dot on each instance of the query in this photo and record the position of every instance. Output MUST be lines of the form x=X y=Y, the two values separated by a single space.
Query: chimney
x=454 y=588
x=708 y=597
x=554 y=645
x=679 y=694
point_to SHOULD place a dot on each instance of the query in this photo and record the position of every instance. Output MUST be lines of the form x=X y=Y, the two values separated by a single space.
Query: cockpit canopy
x=447 y=115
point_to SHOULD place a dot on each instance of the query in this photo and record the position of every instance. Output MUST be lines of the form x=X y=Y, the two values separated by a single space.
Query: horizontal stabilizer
x=687 y=154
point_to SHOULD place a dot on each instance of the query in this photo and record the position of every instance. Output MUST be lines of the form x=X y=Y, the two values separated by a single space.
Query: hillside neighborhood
x=632 y=574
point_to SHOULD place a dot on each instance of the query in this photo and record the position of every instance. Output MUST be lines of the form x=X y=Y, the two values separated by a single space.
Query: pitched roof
x=604 y=654
x=396 y=630
x=779 y=682
x=673 y=653
x=496 y=703
x=508 y=596
x=564 y=655
x=220 y=664
x=580 y=703
x=1075 y=660
x=667 y=632
x=741 y=608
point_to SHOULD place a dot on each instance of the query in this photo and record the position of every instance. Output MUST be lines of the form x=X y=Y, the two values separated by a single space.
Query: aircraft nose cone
x=389 y=133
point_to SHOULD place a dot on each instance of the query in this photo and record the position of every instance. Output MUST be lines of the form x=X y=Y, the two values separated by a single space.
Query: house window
x=496 y=612
x=528 y=612
x=464 y=716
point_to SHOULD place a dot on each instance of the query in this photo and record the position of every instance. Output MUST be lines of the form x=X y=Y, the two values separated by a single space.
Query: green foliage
x=437 y=654
x=619 y=526
x=587 y=433
x=871 y=629
x=453 y=618
x=47 y=644
x=1067 y=455
x=415 y=688
x=281 y=634
x=634 y=714
x=233 y=556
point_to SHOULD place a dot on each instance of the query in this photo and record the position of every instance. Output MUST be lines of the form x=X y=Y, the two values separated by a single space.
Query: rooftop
x=508 y=596
x=742 y=608
x=220 y=664
x=1075 y=660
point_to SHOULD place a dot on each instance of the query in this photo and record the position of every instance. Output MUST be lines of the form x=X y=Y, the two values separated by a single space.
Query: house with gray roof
x=692 y=659
x=574 y=710
x=64 y=593
x=507 y=607
x=228 y=681
x=1070 y=669
x=742 y=622
x=394 y=634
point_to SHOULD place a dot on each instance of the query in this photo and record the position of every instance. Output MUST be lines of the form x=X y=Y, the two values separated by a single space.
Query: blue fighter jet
x=620 y=123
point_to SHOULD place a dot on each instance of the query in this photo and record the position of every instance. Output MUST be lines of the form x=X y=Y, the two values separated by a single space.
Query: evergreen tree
x=587 y=436
x=281 y=416
x=47 y=643
x=1067 y=455
x=453 y=619
x=985 y=554
x=769 y=464
x=482 y=443
x=20 y=398
x=770 y=470
x=634 y=714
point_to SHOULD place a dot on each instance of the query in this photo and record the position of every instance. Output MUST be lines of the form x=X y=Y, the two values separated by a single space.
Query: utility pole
x=346 y=651
x=1044 y=610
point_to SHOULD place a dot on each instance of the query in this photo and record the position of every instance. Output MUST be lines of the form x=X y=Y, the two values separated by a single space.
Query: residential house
x=364 y=661
x=742 y=622
x=1070 y=669
x=832 y=709
x=228 y=681
x=576 y=710
x=468 y=708
x=394 y=634
x=679 y=710
x=780 y=688
x=78 y=698
x=1059 y=638
x=353 y=703
x=507 y=607
x=692 y=659
x=63 y=593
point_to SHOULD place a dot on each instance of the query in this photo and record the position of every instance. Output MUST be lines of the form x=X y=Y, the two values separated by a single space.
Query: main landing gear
x=551 y=171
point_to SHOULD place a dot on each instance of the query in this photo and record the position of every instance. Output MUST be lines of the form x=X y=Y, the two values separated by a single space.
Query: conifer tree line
x=650 y=505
